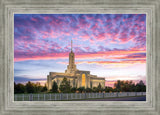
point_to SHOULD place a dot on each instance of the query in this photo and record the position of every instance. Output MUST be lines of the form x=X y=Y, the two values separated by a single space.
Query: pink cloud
x=34 y=19
x=46 y=18
x=45 y=57
x=101 y=36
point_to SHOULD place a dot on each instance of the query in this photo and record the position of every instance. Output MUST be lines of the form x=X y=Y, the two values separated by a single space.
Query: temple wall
x=75 y=80
x=95 y=83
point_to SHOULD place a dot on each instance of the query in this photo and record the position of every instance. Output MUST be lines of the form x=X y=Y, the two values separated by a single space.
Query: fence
x=72 y=96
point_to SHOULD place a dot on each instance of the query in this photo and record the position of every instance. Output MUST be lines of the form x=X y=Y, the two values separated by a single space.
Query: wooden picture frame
x=7 y=104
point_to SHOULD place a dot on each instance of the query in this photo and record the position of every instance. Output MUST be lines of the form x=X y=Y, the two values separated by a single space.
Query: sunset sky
x=109 y=45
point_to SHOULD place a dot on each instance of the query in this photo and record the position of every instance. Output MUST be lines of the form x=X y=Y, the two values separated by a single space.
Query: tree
x=99 y=88
x=65 y=86
x=140 y=86
x=95 y=89
x=54 y=87
x=15 y=87
x=132 y=86
x=44 y=89
x=81 y=89
x=74 y=89
x=38 y=88
x=19 y=88
x=124 y=86
x=117 y=85
x=88 y=90
x=30 y=87
x=108 y=89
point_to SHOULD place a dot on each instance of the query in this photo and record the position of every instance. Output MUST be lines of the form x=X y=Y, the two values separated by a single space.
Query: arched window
x=83 y=80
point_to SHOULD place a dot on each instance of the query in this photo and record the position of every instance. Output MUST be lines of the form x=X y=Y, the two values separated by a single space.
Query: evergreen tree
x=54 y=87
x=81 y=89
x=38 y=88
x=88 y=90
x=74 y=89
x=19 y=88
x=140 y=86
x=129 y=86
x=99 y=88
x=30 y=87
x=44 y=88
x=118 y=85
x=108 y=89
x=65 y=86
x=95 y=89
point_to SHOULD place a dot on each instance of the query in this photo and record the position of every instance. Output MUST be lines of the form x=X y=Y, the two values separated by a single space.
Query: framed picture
x=87 y=57
x=58 y=20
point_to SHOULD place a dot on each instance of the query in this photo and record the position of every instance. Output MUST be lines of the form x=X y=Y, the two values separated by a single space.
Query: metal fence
x=72 y=96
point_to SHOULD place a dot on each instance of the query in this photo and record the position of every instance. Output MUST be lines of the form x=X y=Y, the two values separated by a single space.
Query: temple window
x=83 y=80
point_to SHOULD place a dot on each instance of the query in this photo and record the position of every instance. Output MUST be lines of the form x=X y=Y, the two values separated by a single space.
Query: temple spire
x=71 y=45
x=71 y=68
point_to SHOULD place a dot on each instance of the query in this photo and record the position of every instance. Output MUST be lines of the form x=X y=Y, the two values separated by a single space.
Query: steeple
x=71 y=45
x=71 y=68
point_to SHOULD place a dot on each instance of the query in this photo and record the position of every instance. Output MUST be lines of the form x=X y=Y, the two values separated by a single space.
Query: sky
x=108 y=45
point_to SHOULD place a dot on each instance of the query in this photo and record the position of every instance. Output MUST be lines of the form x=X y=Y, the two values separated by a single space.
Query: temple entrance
x=83 y=80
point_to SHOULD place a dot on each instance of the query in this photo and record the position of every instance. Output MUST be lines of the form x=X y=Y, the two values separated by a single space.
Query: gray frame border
x=7 y=10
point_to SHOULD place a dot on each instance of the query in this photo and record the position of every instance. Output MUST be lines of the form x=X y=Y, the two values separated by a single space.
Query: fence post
x=50 y=96
x=55 y=97
x=38 y=97
x=44 y=96
x=117 y=94
x=71 y=96
x=85 y=96
x=30 y=97
x=67 y=96
x=76 y=96
x=103 y=95
x=61 y=96
x=23 y=97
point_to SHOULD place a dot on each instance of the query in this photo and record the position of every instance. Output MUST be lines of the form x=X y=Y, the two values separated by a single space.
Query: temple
x=77 y=78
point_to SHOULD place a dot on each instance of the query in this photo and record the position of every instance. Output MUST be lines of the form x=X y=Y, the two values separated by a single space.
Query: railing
x=72 y=96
